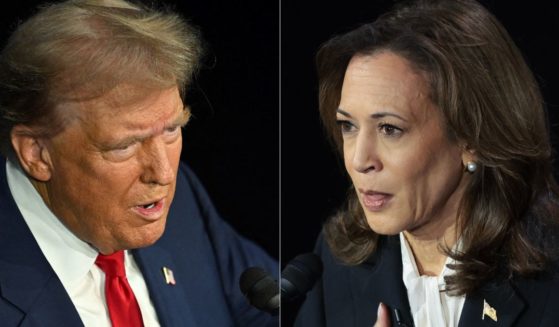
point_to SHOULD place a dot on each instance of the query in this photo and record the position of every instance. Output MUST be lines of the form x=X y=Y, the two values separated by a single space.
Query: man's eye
x=120 y=153
x=122 y=148
x=171 y=130
x=172 y=133
x=345 y=126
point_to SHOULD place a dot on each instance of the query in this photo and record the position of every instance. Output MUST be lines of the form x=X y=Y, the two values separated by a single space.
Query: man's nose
x=157 y=164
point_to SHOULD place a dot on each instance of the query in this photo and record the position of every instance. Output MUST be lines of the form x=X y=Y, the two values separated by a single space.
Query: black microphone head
x=260 y=288
x=299 y=275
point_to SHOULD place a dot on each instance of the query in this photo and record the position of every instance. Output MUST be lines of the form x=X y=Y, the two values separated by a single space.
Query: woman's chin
x=383 y=225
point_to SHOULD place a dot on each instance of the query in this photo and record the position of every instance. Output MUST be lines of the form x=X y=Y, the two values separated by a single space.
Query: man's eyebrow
x=181 y=120
x=123 y=142
x=376 y=115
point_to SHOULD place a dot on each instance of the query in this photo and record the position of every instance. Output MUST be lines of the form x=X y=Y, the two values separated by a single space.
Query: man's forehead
x=153 y=111
x=125 y=98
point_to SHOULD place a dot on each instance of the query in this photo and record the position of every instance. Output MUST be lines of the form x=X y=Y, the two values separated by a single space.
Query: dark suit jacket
x=204 y=253
x=349 y=296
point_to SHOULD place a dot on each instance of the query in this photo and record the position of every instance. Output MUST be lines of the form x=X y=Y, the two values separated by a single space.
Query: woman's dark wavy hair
x=490 y=100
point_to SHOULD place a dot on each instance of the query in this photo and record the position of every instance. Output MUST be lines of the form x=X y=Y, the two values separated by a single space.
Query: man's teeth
x=149 y=206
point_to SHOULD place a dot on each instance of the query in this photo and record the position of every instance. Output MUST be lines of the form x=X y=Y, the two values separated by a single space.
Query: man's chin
x=142 y=237
x=149 y=235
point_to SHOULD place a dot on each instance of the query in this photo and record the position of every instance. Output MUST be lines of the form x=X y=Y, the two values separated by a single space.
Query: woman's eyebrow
x=376 y=115
x=379 y=115
x=345 y=113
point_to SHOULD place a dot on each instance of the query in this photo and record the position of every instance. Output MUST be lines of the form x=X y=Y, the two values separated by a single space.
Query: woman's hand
x=383 y=317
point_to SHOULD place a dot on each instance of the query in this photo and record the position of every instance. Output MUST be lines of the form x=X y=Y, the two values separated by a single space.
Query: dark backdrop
x=232 y=143
x=313 y=180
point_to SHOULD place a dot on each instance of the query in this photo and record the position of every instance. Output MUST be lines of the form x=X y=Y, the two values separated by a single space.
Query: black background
x=313 y=180
x=232 y=143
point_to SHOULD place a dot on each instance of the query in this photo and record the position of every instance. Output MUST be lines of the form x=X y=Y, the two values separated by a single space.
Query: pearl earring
x=471 y=166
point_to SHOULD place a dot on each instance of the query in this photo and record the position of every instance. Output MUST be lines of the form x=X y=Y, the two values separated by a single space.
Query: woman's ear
x=469 y=159
x=32 y=153
x=468 y=154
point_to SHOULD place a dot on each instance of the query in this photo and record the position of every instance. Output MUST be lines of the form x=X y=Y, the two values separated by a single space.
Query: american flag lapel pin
x=169 y=277
x=488 y=311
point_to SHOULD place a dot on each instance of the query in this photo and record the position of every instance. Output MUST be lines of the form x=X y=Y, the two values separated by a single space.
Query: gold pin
x=169 y=277
x=488 y=311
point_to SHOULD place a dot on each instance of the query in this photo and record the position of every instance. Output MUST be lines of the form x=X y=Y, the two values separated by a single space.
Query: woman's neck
x=427 y=240
x=426 y=244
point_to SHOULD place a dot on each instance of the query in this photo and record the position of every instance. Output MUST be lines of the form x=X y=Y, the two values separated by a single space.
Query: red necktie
x=123 y=307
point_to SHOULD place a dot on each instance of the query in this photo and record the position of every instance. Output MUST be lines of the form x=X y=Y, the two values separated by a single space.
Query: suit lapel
x=27 y=281
x=52 y=308
x=385 y=284
x=38 y=295
x=169 y=300
x=500 y=296
x=379 y=279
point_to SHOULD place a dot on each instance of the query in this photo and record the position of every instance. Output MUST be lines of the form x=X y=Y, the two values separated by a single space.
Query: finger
x=383 y=317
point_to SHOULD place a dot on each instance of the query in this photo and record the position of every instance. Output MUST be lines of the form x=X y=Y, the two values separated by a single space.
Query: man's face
x=114 y=168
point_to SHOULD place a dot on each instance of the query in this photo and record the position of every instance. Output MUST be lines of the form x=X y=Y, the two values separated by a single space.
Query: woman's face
x=407 y=174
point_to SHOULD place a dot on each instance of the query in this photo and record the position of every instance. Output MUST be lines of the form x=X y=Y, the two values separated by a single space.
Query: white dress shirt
x=72 y=259
x=430 y=305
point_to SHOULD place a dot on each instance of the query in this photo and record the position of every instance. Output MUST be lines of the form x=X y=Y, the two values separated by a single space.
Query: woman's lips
x=375 y=201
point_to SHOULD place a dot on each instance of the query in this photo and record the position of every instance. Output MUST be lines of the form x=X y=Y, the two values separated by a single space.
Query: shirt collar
x=70 y=257
x=409 y=266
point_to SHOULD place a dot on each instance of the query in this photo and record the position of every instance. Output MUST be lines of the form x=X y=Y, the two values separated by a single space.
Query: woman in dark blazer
x=452 y=216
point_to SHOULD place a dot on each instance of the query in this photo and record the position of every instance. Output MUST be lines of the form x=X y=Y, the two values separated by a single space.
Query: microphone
x=261 y=289
x=297 y=278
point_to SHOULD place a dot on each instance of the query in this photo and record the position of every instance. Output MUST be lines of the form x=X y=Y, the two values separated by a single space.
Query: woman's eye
x=390 y=130
x=345 y=126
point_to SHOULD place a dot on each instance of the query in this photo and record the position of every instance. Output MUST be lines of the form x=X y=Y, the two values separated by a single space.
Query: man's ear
x=32 y=153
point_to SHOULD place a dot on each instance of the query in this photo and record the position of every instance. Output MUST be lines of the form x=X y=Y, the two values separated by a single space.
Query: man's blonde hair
x=81 y=49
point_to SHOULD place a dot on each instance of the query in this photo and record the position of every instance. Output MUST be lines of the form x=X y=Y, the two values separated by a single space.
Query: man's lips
x=151 y=209
x=374 y=200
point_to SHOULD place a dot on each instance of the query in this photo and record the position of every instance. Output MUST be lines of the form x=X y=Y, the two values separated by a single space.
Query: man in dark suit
x=102 y=225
